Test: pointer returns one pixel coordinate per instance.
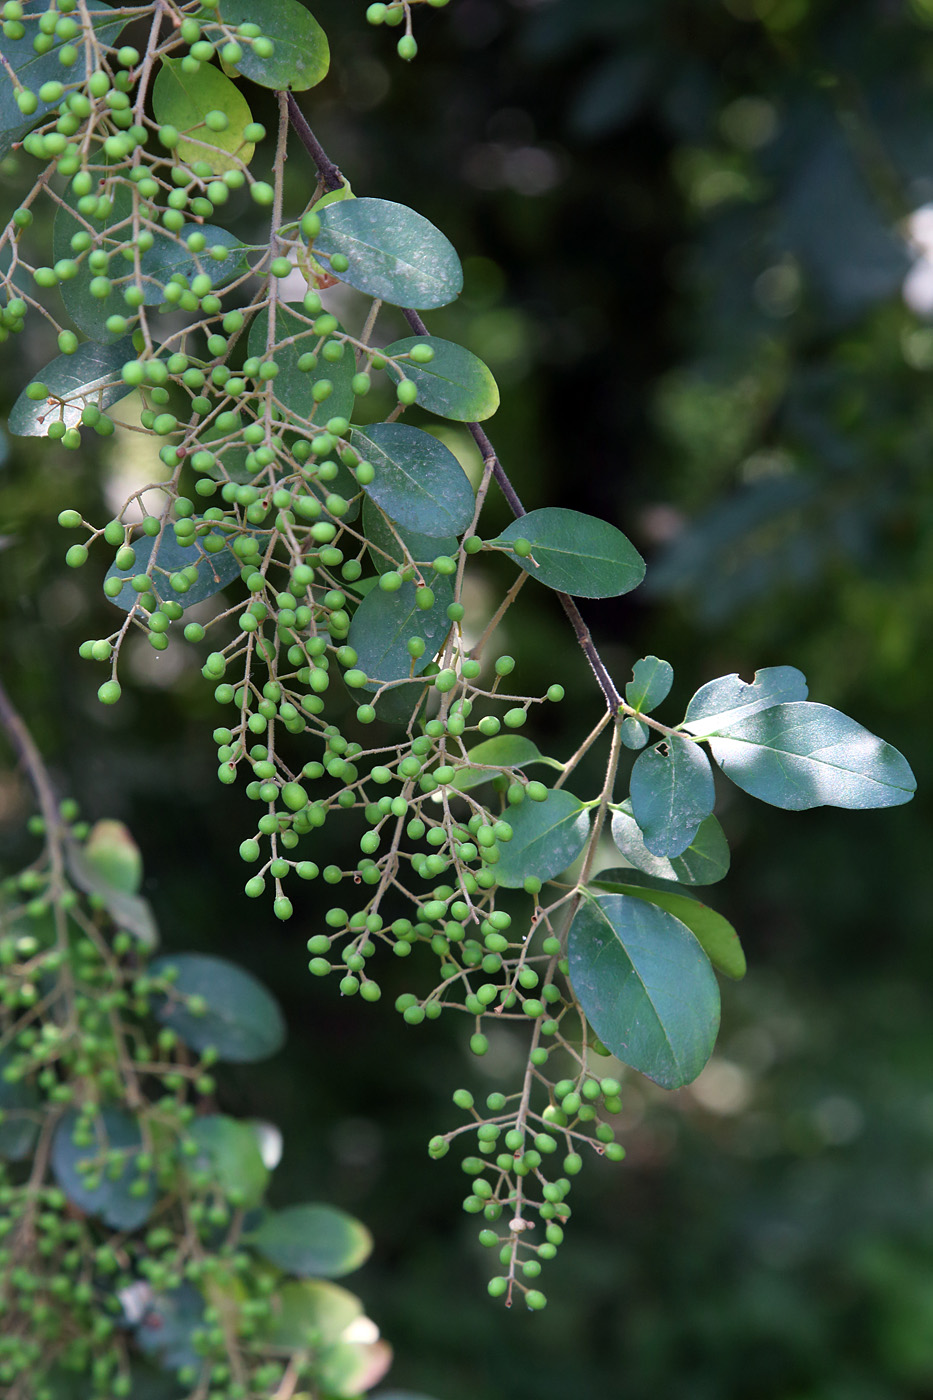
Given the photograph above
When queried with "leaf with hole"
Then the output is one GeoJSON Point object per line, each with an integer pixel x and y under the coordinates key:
{"type": "Point", "coordinates": [804, 755]}
{"type": "Point", "coordinates": [301, 54]}
{"type": "Point", "coordinates": [228, 1152]}
{"type": "Point", "coordinates": [715, 935]}
{"type": "Point", "coordinates": [100, 1176]}
{"type": "Point", "coordinates": [292, 389]}
{"type": "Point", "coordinates": [312, 1241]}
{"type": "Point", "coordinates": [183, 100]}
{"type": "Point", "coordinates": [650, 684]}
{"type": "Point", "coordinates": [672, 794]}
{"type": "Point", "coordinates": [704, 862]}
{"type": "Point", "coordinates": [418, 481]}
{"type": "Point", "coordinates": [90, 376]}
{"type": "Point", "coordinates": [645, 986]}
{"type": "Point", "coordinates": [383, 624]}
{"type": "Point", "coordinates": [729, 699]}
{"type": "Point", "coordinates": [575, 553]}
{"type": "Point", "coordinates": [393, 253]}
{"type": "Point", "coordinates": [546, 837]}
{"type": "Point", "coordinates": [455, 384]}
{"type": "Point", "coordinates": [233, 1012]}
{"type": "Point", "coordinates": [214, 571]}
{"type": "Point", "coordinates": [393, 548]}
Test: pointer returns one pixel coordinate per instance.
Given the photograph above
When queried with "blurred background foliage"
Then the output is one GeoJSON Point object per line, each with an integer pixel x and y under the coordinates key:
{"type": "Point", "coordinates": [695, 243]}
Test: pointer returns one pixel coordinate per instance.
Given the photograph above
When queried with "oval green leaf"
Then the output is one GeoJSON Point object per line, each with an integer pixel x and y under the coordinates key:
{"type": "Point", "coordinates": [645, 986]}
{"type": "Point", "coordinates": [418, 482]}
{"type": "Point", "coordinates": [455, 384]}
{"type": "Point", "coordinates": [182, 100]}
{"type": "Point", "coordinates": [228, 1151]}
{"type": "Point", "coordinates": [309, 1313]}
{"type": "Point", "coordinates": [301, 56]}
{"type": "Point", "coordinates": [546, 837]}
{"type": "Point", "coordinates": [650, 684]}
{"type": "Point", "coordinates": [292, 389]}
{"type": "Point", "coordinates": [672, 794]}
{"type": "Point", "coordinates": [113, 1197]}
{"type": "Point", "coordinates": [90, 313]}
{"type": "Point", "coordinates": [241, 1019]}
{"type": "Point", "coordinates": [804, 755]}
{"type": "Point", "coordinates": [90, 375]}
{"type": "Point", "coordinates": [715, 935]}
{"type": "Point", "coordinates": [575, 553]}
{"type": "Point", "coordinates": [312, 1241]}
{"type": "Point", "coordinates": [391, 547]}
{"type": "Point", "coordinates": [729, 699]}
{"type": "Point", "coordinates": [215, 571]}
{"type": "Point", "coordinates": [489, 758]}
{"type": "Point", "coordinates": [383, 624]}
{"type": "Point", "coordinates": [393, 253]}
{"type": "Point", "coordinates": [705, 860]}
{"type": "Point", "coordinates": [129, 911]}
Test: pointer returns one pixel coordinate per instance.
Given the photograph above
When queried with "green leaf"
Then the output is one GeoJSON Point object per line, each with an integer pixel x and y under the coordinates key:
{"type": "Point", "coordinates": [715, 935]}
{"type": "Point", "coordinates": [672, 794]}
{"type": "Point", "coordinates": [724, 702]}
{"type": "Point", "coordinates": [215, 571]}
{"type": "Point", "coordinates": [803, 755]}
{"type": "Point", "coordinates": [576, 553]}
{"type": "Point", "coordinates": [633, 733]}
{"type": "Point", "coordinates": [546, 837]}
{"type": "Point", "coordinates": [386, 541]}
{"type": "Point", "coordinates": [705, 860]}
{"type": "Point", "coordinates": [645, 986]}
{"type": "Point", "coordinates": [301, 56]}
{"type": "Point", "coordinates": [293, 388]}
{"type": "Point", "coordinates": [228, 1151]}
{"type": "Point", "coordinates": [418, 482]}
{"type": "Point", "coordinates": [394, 253]}
{"type": "Point", "coordinates": [489, 758]}
{"type": "Point", "coordinates": [90, 375]}
{"type": "Point", "coordinates": [111, 1193]}
{"type": "Point", "coordinates": [242, 1019]}
{"type": "Point", "coordinates": [650, 684]}
{"type": "Point", "coordinates": [170, 255]}
{"type": "Point", "coordinates": [348, 1368]}
{"type": "Point", "coordinates": [383, 623]}
{"type": "Point", "coordinates": [455, 384]}
{"type": "Point", "coordinates": [34, 69]}
{"type": "Point", "coordinates": [129, 911]}
{"type": "Point", "coordinates": [312, 1241]}
{"type": "Point", "coordinates": [19, 1115]}
{"type": "Point", "coordinates": [114, 856]}
{"type": "Point", "coordinates": [183, 100]}
{"type": "Point", "coordinates": [309, 1313]}
{"type": "Point", "coordinates": [88, 312]}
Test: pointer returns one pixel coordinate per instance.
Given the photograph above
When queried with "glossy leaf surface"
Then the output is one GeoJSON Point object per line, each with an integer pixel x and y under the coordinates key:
{"type": "Point", "coordinates": [455, 384]}
{"type": "Point", "coordinates": [715, 935]}
{"type": "Point", "coordinates": [111, 1194]}
{"type": "Point", "coordinates": [705, 860]}
{"type": "Point", "coordinates": [215, 571]}
{"type": "Point", "coordinates": [241, 1018]}
{"type": "Point", "coordinates": [650, 684]}
{"type": "Point", "coordinates": [546, 837]}
{"type": "Point", "coordinates": [393, 253]}
{"type": "Point", "coordinates": [228, 1151]}
{"type": "Point", "coordinates": [383, 624]}
{"type": "Point", "coordinates": [182, 100]}
{"type": "Point", "coordinates": [645, 986]}
{"type": "Point", "coordinates": [90, 313]}
{"type": "Point", "coordinates": [726, 701]}
{"type": "Point", "coordinates": [391, 547]}
{"type": "Point", "coordinates": [90, 375]}
{"type": "Point", "coordinates": [312, 1241]}
{"type": "Point", "coordinates": [301, 56]}
{"type": "Point", "coordinates": [804, 755]}
{"type": "Point", "coordinates": [293, 388]}
{"type": "Point", "coordinates": [672, 794]}
{"type": "Point", "coordinates": [418, 482]}
{"type": "Point", "coordinates": [575, 553]}
{"type": "Point", "coordinates": [492, 755]}
{"type": "Point", "coordinates": [170, 255]}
